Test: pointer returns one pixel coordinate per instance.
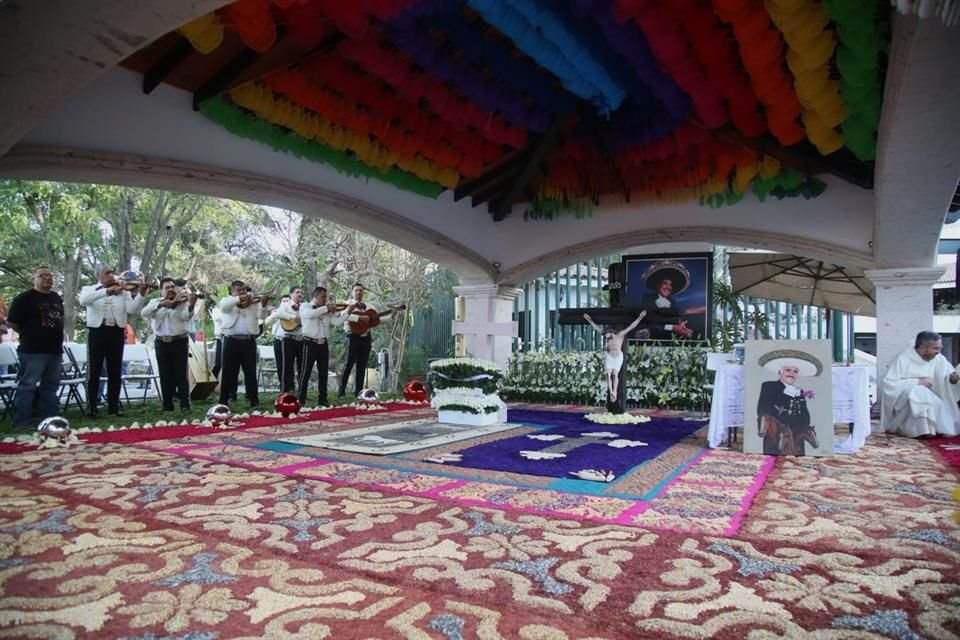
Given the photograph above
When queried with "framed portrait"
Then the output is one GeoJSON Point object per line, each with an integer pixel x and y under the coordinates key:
{"type": "Point", "coordinates": [788, 397]}
{"type": "Point", "coordinates": [675, 290]}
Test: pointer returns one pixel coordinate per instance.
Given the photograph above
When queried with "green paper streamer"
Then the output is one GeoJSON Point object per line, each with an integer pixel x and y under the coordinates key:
{"type": "Point", "coordinates": [245, 124]}
{"type": "Point", "coordinates": [858, 57]}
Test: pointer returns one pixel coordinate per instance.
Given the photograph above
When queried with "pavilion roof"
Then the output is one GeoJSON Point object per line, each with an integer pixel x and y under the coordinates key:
{"type": "Point", "coordinates": [549, 103]}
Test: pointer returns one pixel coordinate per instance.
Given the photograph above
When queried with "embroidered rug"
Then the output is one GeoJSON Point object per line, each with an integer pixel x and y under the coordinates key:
{"type": "Point", "coordinates": [397, 437]}
{"type": "Point", "coordinates": [112, 541]}
{"type": "Point", "coordinates": [569, 444]}
{"type": "Point", "coordinates": [948, 448]}
{"type": "Point", "coordinates": [707, 493]}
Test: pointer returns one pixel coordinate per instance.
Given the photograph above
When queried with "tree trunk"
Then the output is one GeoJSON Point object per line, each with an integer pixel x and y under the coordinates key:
{"type": "Point", "coordinates": [71, 287]}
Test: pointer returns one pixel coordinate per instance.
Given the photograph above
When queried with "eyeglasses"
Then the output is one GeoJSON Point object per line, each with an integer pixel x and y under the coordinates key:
{"type": "Point", "coordinates": [44, 275]}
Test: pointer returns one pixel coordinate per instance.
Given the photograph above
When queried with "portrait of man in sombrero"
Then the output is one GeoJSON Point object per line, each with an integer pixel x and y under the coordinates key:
{"type": "Point", "coordinates": [667, 316]}
{"type": "Point", "coordinates": [783, 416]}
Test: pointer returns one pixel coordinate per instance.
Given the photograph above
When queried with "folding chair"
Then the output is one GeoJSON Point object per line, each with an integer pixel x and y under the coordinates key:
{"type": "Point", "coordinates": [265, 356]}
{"type": "Point", "coordinates": [8, 383]}
{"type": "Point", "coordinates": [77, 352]}
{"type": "Point", "coordinates": [138, 355]}
{"type": "Point", "coordinates": [71, 381]}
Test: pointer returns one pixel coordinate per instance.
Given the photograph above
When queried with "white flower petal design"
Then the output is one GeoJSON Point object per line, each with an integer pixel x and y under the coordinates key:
{"type": "Point", "coordinates": [595, 475]}
{"type": "Point", "coordinates": [616, 418]}
{"type": "Point", "coordinates": [601, 434]}
{"type": "Point", "coordinates": [622, 444]}
{"type": "Point", "coordinates": [445, 457]}
{"type": "Point", "coordinates": [541, 455]}
{"type": "Point", "coordinates": [547, 437]}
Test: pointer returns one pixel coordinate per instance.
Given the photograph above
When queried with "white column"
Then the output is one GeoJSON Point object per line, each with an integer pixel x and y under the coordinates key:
{"type": "Point", "coordinates": [487, 325]}
{"type": "Point", "coordinates": [904, 309]}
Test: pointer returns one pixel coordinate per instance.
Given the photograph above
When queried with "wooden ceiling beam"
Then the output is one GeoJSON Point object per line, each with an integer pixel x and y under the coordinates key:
{"type": "Point", "coordinates": [537, 151]}
{"type": "Point", "coordinates": [159, 72]}
{"type": "Point", "coordinates": [805, 158]}
{"type": "Point", "coordinates": [249, 65]}
{"type": "Point", "coordinates": [495, 174]}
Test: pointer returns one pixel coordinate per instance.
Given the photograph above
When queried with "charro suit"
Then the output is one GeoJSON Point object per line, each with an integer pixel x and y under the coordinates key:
{"type": "Point", "coordinates": [106, 321]}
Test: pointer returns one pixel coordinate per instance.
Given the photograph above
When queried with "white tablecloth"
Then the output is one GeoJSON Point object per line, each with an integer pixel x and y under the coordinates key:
{"type": "Point", "coordinates": [851, 403]}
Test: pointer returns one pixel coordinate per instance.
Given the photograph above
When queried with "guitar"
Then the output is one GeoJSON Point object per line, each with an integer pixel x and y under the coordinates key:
{"type": "Point", "coordinates": [292, 325]}
{"type": "Point", "coordinates": [372, 318]}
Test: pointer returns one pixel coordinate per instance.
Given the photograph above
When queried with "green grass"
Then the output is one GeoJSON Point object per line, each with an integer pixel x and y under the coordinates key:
{"type": "Point", "coordinates": [149, 411]}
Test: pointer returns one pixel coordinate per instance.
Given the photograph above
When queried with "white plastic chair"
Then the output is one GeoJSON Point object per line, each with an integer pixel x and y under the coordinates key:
{"type": "Point", "coordinates": [138, 354]}
{"type": "Point", "coordinates": [8, 384]}
{"type": "Point", "coordinates": [266, 364]}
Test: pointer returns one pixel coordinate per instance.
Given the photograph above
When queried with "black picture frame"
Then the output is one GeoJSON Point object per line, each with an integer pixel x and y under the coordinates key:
{"type": "Point", "coordinates": [692, 304]}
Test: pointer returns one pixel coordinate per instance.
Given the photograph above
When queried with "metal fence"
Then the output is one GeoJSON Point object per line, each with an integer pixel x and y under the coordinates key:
{"type": "Point", "coordinates": [581, 285]}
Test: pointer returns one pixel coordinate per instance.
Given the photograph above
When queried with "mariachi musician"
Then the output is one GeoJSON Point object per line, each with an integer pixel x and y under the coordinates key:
{"type": "Point", "coordinates": [357, 315]}
{"type": "Point", "coordinates": [241, 313]}
{"type": "Point", "coordinates": [171, 316]}
{"type": "Point", "coordinates": [317, 318]}
{"type": "Point", "coordinates": [291, 349]}
{"type": "Point", "coordinates": [273, 320]}
{"type": "Point", "coordinates": [108, 303]}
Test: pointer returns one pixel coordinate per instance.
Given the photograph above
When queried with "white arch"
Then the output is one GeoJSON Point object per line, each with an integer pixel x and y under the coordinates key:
{"type": "Point", "coordinates": [49, 163]}
{"type": "Point", "coordinates": [756, 239]}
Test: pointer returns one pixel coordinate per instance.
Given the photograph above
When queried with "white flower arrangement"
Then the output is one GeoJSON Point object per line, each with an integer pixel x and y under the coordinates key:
{"type": "Point", "coordinates": [656, 376]}
{"type": "Point", "coordinates": [616, 418]}
{"type": "Point", "coordinates": [464, 397]}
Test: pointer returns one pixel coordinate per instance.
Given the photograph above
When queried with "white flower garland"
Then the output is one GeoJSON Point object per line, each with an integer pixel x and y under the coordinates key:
{"type": "Point", "coordinates": [484, 365]}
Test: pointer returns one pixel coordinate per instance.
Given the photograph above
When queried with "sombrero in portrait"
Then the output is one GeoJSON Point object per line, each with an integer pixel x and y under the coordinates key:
{"type": "Point", "coordinates": [667, 270]}
{"type": "Point", "coordinates": [808, 365]}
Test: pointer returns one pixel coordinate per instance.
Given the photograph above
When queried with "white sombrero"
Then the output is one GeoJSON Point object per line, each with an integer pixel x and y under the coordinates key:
{"type": "Point", "coordinates": [775, 360]}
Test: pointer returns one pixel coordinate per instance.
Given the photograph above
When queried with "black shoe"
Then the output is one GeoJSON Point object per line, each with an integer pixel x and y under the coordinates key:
{"type": "Point", "coordinates": [93, 413]}
{"type": "Point", "coordinates": [116, 412]}
{"type": "Point", "coordinates": [186, 409]}
{"type": "Point", "coordinates": [170, 408]}
{"type": "Point", "coordinates": [254, 405]}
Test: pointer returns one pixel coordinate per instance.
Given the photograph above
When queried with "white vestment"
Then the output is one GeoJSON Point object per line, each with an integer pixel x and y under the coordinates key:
{"type": "Point", "coordinates": [911, 409]}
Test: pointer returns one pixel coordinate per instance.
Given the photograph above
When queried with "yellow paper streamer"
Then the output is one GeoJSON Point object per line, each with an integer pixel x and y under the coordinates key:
{"type": "Point", "coordinates": [262, 101]}
{"type": "Point", "coordinates": [811, 44]}
{"type": "Point", "coordinates": [204, 34]}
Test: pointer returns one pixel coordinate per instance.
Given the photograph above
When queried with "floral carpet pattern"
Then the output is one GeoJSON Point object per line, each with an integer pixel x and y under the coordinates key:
{"type": "Point", "coordinates": [115, 541]}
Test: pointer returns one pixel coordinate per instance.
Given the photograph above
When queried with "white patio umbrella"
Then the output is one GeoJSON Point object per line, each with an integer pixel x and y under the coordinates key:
{"type": "Point", "coordinates": [788, 278]}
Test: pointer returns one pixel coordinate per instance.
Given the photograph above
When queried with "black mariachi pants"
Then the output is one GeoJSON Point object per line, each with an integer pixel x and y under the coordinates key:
{"type": "Point", "coordinates": [358, 353]}
{"type": "Point", "coordinates": [314, 353]}
{"type": "Point", "coordinates": [291, 356]}
{"type": "Point", "coordinates": [104, 342]}
{"type": "Point", "coordinates": [172, 369]}
{"type": "Point", "coordinates": [239, 353]}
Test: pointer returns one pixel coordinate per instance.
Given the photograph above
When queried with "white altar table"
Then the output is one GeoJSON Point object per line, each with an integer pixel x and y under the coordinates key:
{"type": "Point", "coordinates": [851, 404]}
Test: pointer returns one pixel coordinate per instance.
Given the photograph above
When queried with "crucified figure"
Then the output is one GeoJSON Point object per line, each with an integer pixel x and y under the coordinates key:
{"type": "Point", "coordinates": [614, 358]}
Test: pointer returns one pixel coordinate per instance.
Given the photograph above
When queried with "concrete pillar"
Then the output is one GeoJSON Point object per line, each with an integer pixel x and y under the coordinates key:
{"type": "Point", "coordinates": [904, 308]}
{"type": "Point", "coordinates": [487, 326]}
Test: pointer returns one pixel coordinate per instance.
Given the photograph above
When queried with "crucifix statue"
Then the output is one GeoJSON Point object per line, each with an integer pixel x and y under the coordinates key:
{"type": "Point", "coordinates": [617, 338]}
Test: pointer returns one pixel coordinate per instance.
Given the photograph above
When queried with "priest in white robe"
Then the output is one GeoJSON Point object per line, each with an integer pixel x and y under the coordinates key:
{"type": "Point", "coordinates": [920, 391]}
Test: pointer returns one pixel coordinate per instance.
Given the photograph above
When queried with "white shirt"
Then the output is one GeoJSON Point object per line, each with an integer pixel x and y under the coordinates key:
{"type": "Point", "coordinates": [217, 317]}
{"type": "Point", "coordinates": [316, 322]}
{"type": "Point", "coordinates": [272, 320]}
{"type": "Point", "coordinates": [105, 310]}
{"type": "Point", "coordinates": [239, 321]}
{"type": "Point", "coordinates": [168, 322]}
{"type": "Point", "coordinates": [286, 312]}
